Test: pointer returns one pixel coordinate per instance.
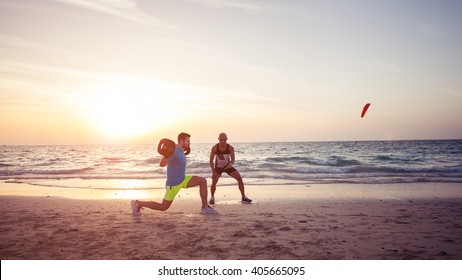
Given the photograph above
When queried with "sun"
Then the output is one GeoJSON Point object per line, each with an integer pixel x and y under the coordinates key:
{"type": "Point", "coordinates": [124, 117]}
{"type": "Point", "coordinates": [118, 113]}
{"type": "Point", "coordinates": [122, 106]}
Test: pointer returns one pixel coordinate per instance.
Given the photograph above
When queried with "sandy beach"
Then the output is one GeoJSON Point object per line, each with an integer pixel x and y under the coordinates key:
{"type": "Point", "coordinates": [309, 222]}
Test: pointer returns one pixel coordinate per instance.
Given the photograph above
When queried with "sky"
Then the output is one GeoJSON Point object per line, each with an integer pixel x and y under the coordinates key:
{"type": "Point", "coordinates": [135, 71]}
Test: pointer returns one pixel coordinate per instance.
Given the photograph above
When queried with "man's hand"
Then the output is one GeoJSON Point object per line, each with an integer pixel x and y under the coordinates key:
{"type": "Point", "coordinates": [163, 161]}
{"type": "Point", "coordinates": [229, 165]}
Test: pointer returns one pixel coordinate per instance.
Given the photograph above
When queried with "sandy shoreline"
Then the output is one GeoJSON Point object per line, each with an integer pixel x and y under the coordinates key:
{"type": "Point", "coordinates": [297, 222]}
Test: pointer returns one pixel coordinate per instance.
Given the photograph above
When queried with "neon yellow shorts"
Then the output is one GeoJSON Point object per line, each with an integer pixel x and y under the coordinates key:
{"type": "Point", "coordinates": [171, 192]}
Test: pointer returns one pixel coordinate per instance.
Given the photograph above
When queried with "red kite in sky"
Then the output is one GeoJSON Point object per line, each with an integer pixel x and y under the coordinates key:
{"type": "Point", "coordinates": [365, 109]}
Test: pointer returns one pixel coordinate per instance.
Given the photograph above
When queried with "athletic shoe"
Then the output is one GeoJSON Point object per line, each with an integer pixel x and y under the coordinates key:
{"type": "Point", "coordinates": [245, 199]}
{"type": "Point", "coordinates": [208, 210]}
{"type": "Point", "coordinates": [212, 200]}
{"type": "Point", "coordinates": [136, 210]}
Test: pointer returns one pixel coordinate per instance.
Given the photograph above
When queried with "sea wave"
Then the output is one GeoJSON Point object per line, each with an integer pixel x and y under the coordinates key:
{"type": "Point", "coordinates": [258, 163]}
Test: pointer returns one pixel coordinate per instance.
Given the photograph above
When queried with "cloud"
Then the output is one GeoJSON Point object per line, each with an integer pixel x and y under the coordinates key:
{"type": "Point", "coordinates": [452, 92]}
{"type": "Point", "coordinates": [382, 65]}
{"type": "Point", "coordinates": [10, 44]}
{"type": "Point", "coordinates": [122, 9]}
{"type": "Point", "coordinates": [246, 5]}
{"type": "Point", "coordinates": [34, 81]}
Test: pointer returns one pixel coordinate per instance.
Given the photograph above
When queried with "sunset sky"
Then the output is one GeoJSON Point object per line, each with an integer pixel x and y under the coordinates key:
{"type": "Point", "coordinates": [128, 71]}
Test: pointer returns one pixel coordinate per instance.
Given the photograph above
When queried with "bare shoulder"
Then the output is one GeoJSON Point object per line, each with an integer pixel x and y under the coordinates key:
{"type": "Point", "coordinates": [231, 148]}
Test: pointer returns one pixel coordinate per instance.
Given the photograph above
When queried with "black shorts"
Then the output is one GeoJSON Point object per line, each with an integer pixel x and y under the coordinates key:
{"type": "Point", "coordinates": [220, 170]}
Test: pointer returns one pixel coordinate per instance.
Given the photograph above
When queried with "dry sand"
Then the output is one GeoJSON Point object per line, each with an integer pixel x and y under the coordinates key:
{"type": "Point", "coordinates": [420, 221]}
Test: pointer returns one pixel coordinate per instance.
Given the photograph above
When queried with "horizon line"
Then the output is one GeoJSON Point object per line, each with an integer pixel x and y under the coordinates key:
{"type": "Point", "coordinates": [242, 142]}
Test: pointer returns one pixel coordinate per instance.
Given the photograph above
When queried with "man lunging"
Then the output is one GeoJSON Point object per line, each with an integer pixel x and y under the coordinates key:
{"type": "Point", "coordinates": [176, 180]}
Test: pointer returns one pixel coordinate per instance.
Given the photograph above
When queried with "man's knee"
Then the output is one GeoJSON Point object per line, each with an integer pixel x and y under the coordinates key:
{"type": "Point", "coordinates": [198, 181]}
{"type": "Point", "coordinates": [236, 176]}
{"type": "Point", "coordinates": [165, 205]}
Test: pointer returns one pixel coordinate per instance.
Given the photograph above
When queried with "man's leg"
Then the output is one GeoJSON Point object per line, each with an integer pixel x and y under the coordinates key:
{"type": "Point", "coordinates": [202, 183]}
{"type": "Point", "coordinates": [155, 205]}
{"type": "Point", "coordinates": [237, 176]}
{"type": "Point", "coordinates": [213, 187]}
{"type": "Point", "coordinates": [170, 194]}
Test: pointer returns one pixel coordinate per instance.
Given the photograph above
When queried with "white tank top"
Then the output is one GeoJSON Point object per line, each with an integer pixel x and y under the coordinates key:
{"type": "Point", "coordinates": [222, 158]}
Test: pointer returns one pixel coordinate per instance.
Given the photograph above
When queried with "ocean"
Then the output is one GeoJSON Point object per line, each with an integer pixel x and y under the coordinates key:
{"type": "Point", "coordinates": [288, 163]}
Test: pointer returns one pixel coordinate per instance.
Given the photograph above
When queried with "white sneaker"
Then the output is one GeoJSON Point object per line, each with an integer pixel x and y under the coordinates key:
{"type": "Point", "coordinates": [136, 210]}
{"type": "Point", "coordinates": [212, 200]}
{"type": "Point", "coordinates": [208, 210]}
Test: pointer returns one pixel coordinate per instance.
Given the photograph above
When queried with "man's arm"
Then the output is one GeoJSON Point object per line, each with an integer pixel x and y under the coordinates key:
{"type": "Point", "coordinates": [212, 158]}
{"type": "Point", "coordinates": [231, 153]}
{"type": "Point", "coordinates": [163, 162]}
